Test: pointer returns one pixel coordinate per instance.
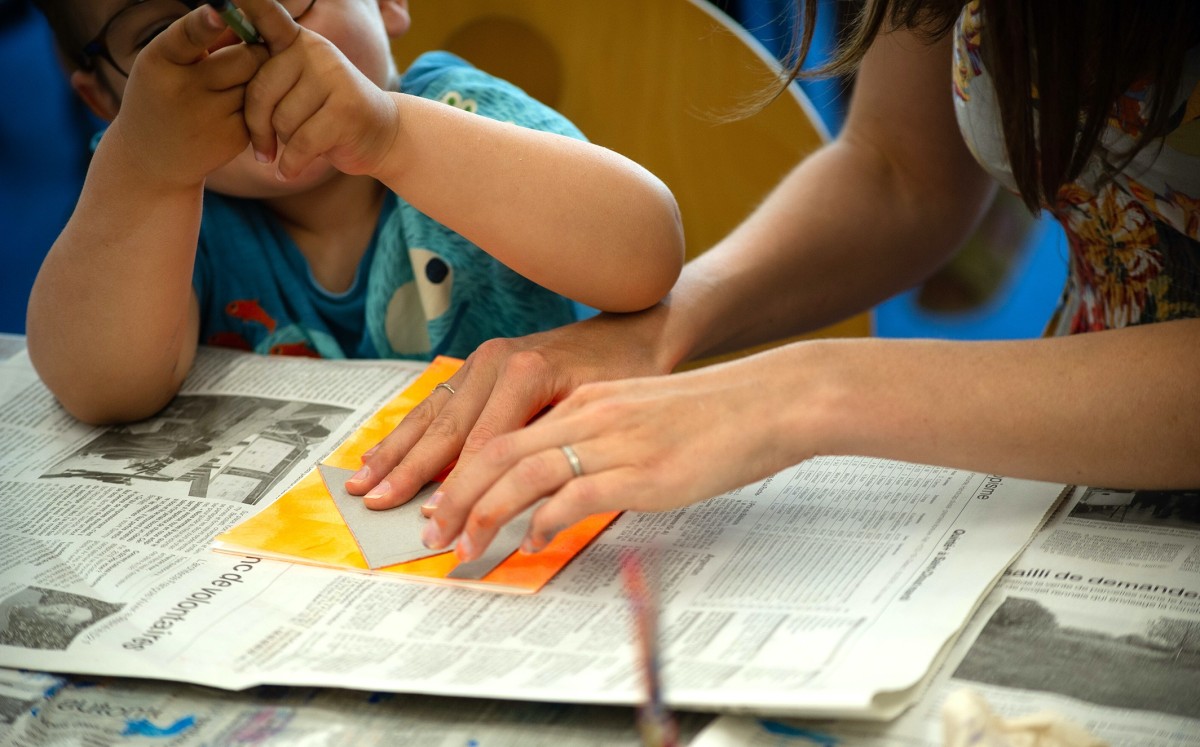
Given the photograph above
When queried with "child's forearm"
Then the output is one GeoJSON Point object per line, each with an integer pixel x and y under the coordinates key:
{"type": "Point", "coordinates": [112, 316]}
{"type": "Point", "coordinates": [574, 217]}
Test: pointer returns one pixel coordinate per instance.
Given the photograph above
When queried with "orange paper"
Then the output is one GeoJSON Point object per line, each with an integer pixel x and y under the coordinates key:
{"type": "Point", "coordinates": [305, 526]}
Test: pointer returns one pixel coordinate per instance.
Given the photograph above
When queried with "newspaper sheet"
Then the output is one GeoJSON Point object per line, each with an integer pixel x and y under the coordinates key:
{"type": "Point", "coordinates": [1097, 622]}
{"type": "Point", "coordinates": [39, 709]}
{"type": "Point", "coordinates": [827, 589]}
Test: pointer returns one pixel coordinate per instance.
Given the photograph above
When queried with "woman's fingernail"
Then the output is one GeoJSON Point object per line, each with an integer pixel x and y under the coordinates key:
{"type": "Point", "coordinates": [361, 475]}
{"type": "Point", "coordinates": [379, 491]}
{"type": "Point", "coordinates": [367, 454]}
{"type": "Point", "coordinates": [431, 536]}
{"type": "Point", "coordinates": [528, 546]}
{"type": "Point", "coordinates": [465, 549]}
{"type": "Point", "coordinates": [433, 500]}
{"type": "Point", "coordinates": [535, 544]}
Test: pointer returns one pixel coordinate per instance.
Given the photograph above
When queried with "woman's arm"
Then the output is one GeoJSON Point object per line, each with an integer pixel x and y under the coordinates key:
{"type": "Point", "coordinates": [1115, 409]}
{"type": "Point", "coordinates": [882, 204]}
{"type": "Point", "coordinates": [871, 214]}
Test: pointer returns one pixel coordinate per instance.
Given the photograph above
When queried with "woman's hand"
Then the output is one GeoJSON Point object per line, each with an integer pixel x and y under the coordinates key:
{"type": "Point", "coordinates": [502, 386]}
{"type": "Point", "coordinates": [646, 444]}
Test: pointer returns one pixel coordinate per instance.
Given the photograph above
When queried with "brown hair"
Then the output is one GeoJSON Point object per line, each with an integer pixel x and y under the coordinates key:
{"type": "Point", "coordinates": [1087, 53]}
{"type": "Point", "coordinates": [68, 32]}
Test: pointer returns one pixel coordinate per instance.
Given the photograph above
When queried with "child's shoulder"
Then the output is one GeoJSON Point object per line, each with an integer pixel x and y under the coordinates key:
{"type": "Point", "coordinates": [433, 69]}
{"type": "Point", "coordinates": [446, 77]}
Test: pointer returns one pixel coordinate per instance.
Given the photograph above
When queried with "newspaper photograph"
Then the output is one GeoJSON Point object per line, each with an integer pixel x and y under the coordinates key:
{"type": "Point", "coordinates": [1096, 625]}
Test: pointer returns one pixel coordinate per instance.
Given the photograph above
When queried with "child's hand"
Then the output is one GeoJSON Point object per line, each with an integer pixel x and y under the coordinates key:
{"type": "Point", "coordinates": [311, 99]}
{"type": "Point", "coordinates": [181, 113]}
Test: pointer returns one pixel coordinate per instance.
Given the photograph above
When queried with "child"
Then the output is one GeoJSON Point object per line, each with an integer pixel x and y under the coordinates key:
{"type": "Point", "coordinates": [283, 197]}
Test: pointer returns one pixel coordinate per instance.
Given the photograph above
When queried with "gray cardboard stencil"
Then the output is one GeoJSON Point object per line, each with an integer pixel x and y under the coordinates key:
{"type": "Point", "coordinates": [506, 542]}
{"type": "Point", "coordinates": [384, 537]}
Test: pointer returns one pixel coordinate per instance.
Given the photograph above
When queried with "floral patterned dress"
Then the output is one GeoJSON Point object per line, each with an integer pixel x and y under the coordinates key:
{"type": "Point", "coordinates": [1135, 240]}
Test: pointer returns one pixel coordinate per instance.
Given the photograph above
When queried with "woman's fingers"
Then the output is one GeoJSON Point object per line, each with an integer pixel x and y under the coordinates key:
{"type": "Point", "coordinates": [392, 470]}
{"type": "Point", "coordinates": [513, 471]}
{"type": "Point", "coordinates": [494, 392]}
{"type": "Point", "coordinates": [578, 499]}
{"type": "Point", "coordinates": [542, 473]}
{"type": "Point", "coordinates": [516, 394]}
{"type": "Point", "coordinates": [647, 444]}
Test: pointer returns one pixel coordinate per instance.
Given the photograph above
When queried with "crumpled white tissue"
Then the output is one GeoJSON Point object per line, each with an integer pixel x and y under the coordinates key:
{"type": "Point", "coordinates": [968, 721]}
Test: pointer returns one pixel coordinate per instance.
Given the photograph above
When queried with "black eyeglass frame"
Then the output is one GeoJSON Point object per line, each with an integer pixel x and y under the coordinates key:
{"type": "Point", "coordinates": [97, 48]}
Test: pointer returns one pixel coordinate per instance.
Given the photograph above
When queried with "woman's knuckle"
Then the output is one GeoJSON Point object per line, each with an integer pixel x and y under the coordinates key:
{"type": "Point", "coordinates": [532, 470]}
{"type": "Point", "coordinates": [584, 495]}
{"type": "Point", "coordinates": [443, 428]}
{"type": "Point", "coordinates": [482, 518]}
{"type": "Point", "coordinates": [499, 450]}
{"type": "Point", "coordinates": [420, 416]}
{"type": "Point", "coordinates": [479, 437]}
{"type": "Point", "coordinates": [525, 364]}
{"type": "Point", "coordinates": [489, 350]}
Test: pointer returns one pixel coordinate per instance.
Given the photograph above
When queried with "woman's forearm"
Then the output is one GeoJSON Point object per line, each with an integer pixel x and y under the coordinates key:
{"type": "Point", "coordinates": [1115, 409]}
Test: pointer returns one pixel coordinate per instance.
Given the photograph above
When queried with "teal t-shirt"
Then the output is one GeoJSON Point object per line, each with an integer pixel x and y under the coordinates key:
{"type": "Point", "coordinates": [421, 290]}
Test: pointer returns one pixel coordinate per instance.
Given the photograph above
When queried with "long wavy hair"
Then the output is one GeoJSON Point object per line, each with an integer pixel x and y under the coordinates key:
{"type": "Point", "coordinates": [1081, 54]}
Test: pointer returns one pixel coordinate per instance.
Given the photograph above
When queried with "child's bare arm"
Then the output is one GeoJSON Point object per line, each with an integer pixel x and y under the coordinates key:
{"type": "Point", "coordinates": [113, 319]}
{"type": "Point", "coordinates": [571, 216]}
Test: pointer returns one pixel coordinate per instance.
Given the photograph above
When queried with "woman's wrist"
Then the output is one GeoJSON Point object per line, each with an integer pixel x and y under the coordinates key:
{"type": "Point", "coordinates": [818, 396]}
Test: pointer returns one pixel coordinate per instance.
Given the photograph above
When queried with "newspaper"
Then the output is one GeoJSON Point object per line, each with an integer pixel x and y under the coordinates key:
{"type": "Point", "coordinates": [1097, 622]}
{"type": "Point", "coordinates": [827, 589]}
{"type": "Point", "coordinates": [37, 709]}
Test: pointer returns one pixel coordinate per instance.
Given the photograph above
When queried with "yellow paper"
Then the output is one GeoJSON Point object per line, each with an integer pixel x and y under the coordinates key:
{"type": "Point", "coordinates": [305, 526]}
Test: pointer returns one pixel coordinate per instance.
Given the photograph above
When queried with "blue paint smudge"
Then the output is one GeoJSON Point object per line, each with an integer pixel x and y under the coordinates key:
{"type": "Point", "coordinates": [784, 730]}
{"type": "Point", "coordinates": [143, 728]}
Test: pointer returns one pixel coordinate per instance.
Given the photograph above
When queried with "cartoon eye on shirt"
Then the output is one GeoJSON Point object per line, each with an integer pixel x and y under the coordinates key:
{"type": "Point", "coordinates": [423, 305]}
{"type": "Point", "coordinates": [455, 99]}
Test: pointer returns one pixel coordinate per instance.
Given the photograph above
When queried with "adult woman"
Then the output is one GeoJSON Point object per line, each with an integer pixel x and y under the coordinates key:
{"type": "Point", "coordinates": [1106, 143]}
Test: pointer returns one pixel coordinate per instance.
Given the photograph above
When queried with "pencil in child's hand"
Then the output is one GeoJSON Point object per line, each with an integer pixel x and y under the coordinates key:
{"type": "Point", "coordinates": [236, 21]}
{"type": "Point", "coordinates": [655, 723]}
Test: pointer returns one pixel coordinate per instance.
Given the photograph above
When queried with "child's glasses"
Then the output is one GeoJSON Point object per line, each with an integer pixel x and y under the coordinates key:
{"type": "Point", "coordinates": [132, 28]}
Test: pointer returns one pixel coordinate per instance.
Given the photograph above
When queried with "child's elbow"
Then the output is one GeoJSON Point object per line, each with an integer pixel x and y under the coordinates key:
{"type": "Point", "coordinates": [98, 406]}
{"type": "Point", "coordinates": [662, 250]}
{"type": "Point", "coordinates": [106, 411]}
{"type": "Point", "coordinates": [96, 397]}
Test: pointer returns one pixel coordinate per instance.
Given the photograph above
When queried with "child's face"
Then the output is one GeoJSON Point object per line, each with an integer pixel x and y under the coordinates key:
{"type": "Point", "coordinates": [360, 29]}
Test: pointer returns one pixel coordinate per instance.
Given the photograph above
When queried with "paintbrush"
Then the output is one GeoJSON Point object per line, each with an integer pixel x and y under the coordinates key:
{"type": "Point", "coordinates": [236, 21]}
{"type": "Point", "coordinates": [655, 722]}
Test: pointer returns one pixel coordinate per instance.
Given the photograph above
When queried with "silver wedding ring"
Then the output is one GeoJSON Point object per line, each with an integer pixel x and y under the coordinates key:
{"type": "Point", "coordinates": [445, 386]}
{"type": "Point", "coordinates": [573, 460]}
